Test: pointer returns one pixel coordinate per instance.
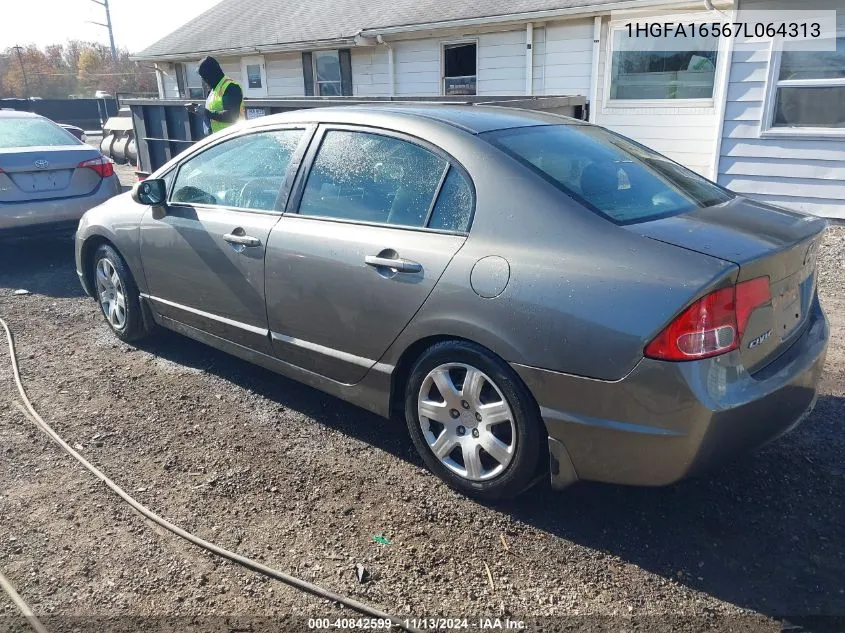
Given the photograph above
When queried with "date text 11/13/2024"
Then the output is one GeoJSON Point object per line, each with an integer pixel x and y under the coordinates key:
{"type": "Point", "coordinates": [444, 624]}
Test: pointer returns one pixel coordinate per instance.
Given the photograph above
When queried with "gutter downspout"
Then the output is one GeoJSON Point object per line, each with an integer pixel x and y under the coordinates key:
{"type": "Point", "coordinates": [529, 58]}
{"type": "Point", "coordinates": [391, 73]}
{"type": "Point", "coordinates": [723, 71]}
{"type": "Point", "coordinates": [594, 69]}
{"type": "Point", "coordinates": [160, 82]}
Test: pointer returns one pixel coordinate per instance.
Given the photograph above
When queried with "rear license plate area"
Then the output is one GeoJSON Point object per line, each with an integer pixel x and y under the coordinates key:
{"type": "Point", "coordinates": [36, 182]}
{"type": "Point", "coordinates": [788, 310]}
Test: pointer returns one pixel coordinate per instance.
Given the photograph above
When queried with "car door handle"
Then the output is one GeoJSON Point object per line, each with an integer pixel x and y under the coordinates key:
{"type": "Point", "coordinates": [398, 264]}
{"type": "Point", "coordinates": [242, 240]}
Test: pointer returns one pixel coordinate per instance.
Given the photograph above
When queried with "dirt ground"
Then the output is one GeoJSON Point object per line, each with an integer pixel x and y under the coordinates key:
{"type": "Point", "coordinates": [292, 477]}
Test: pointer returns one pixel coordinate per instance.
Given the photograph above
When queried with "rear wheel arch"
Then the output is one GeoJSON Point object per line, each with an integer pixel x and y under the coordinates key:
{"type": "Point", "coordinates": [89, 249]}
{"type": "Point", "coordinates": [414, 352]}
{"type": "Point", "coordinates": [527, 437]}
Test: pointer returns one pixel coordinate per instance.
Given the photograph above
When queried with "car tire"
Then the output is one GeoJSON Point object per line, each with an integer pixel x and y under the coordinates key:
{"type": "Point", "coordinates": [494, 412]}
{"type": "Point", "coordinates": [117, 294]}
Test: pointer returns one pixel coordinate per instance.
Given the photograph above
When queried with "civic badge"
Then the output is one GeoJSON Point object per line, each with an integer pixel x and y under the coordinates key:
{"type": "Point", "coordinates": [42, 164]}
{"type": "Point", "coordinates": [760, 339]}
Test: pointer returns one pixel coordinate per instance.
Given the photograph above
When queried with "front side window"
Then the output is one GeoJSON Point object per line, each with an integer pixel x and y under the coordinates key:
{"type": "Point", "coordinates": [637, 73]}
{"type": "Point", "coordinates": [327, 73]}
{"type": "Point", "coordinates": [459, 69]}
{"type": "Point", "coordinates": [810, 90]}
{"type": "Point", "coordinates": [246, 172]}
{"type": "Point", "coordinates": [368, 177]}
{"type": "Point", "coordinates": [617, 178]}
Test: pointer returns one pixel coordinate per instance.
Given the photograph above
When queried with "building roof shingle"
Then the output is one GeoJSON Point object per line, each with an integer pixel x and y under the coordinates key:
{"type": "Point", "coordinates": [235, 25]}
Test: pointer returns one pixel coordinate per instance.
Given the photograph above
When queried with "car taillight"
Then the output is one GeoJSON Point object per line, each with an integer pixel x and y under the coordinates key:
{"type": "Point", "coordinates": [712, 325]}
{"type": "Point", "coordinates": [750, 295]}
{"type": "Point", "coordinates": [102, 165]}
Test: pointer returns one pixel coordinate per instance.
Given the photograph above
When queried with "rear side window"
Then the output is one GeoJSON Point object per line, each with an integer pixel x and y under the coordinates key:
{"type": "Point", "coordinates": [617, 178]}
{"type": "Point", "coordinates": [246, 172]}
{"type": "Point", "coordinates": [453, 209]}
{"type": "Point", "coordinates": [368, 177]}
{"type": "Point", "coordinates": [33, 132]}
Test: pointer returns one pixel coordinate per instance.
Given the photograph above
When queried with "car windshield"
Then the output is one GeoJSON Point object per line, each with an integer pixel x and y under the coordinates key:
{"type": "Point", "coordinates": [32, 132]}
{"type": "Point", "coordinates": [611, 175]}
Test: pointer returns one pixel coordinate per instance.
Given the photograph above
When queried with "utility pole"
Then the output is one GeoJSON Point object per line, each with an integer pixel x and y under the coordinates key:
{"type": "Point", "coordinates": [23, 70]}
{"type": "Point", "coordinates": [105, 3]}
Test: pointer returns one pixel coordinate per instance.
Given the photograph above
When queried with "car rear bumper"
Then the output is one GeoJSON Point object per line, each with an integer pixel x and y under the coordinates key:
{"type": "Point", "coordinates": [39, 216]}
{"type": "Point", "coordinates": [666, 420]}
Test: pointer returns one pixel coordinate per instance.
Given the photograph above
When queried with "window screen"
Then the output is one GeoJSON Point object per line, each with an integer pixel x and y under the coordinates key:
{"type": "Point", "coordinates": [459, 69]}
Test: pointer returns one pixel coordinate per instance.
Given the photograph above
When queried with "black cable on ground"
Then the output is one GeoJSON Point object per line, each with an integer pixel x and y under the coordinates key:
{"type": "Point", "coordinates": [303, 585]}
{"type": "Point", "coordinates": [22, 606]}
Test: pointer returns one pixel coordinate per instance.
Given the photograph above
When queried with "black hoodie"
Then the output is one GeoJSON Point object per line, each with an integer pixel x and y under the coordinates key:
{"type": "Point", "coordinates": [211, 73]}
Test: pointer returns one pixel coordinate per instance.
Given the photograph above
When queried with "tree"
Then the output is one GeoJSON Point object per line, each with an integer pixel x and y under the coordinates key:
{"type": "Point", "coordinates": [76, 68]}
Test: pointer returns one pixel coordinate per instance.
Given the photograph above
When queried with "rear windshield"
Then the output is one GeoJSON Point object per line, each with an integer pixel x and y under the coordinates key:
{"type": "Point", "coordinates": [615, 177]}
{"type": "Point", "coordinates": [32, 132]}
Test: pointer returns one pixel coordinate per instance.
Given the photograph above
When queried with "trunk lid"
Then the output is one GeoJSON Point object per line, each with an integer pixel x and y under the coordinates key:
{"type": "Point", "coordinates": [763, 241]}
{"type": "Point", "coordinates": [46, 173]}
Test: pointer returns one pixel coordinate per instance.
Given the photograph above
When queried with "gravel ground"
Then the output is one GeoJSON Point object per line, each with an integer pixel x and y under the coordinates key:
{"type": "Point", "coordinates": [303, 482]}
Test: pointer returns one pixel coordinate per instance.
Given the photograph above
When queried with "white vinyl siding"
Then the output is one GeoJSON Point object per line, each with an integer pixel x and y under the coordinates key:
{"type": "Point", "coordinates": [370, 72]}
{"type": "Point", "coordinates": [563, 57]}
{"type": "Point", "coordinates": [561, 65]}
{"type": "Point", "coordinates": [501, 63]}
{"type": "Point", "coordinates": [806, 174]}
{"type": "Point", "coordinates": [284, 75]}
{"type": "Point", "coordinates": [232, 68]}
{"type": "Point", "coordinates": [417, 67]}
{"type": "Point", "coordinates": [683, 133]}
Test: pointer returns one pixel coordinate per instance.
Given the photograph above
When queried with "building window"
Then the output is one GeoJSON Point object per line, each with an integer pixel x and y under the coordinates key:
{"type": "Point", "coordinates": [640, 73]}
{"type": "Point", "coordinates": [809, 89]}
{"type": "Point", "coordinates": [327, 73]}
{"type": "Point", "coordinates": [253, 76]}
{"type": "Point", "coordinates": [191, 82]}
{"type": "Point", "coordinates": [459, 69]}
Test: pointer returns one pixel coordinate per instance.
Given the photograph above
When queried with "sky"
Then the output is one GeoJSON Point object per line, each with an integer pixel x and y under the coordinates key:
{"type": "Point", "coordinates": [136, 23]}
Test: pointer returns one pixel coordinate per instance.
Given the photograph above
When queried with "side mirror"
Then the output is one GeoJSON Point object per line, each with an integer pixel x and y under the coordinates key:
{"type": "Point", "coordinates": [151, 192]}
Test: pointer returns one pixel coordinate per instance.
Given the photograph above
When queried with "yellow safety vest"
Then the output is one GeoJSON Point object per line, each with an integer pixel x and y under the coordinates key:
{"type": "Point", "coordinates": [214, 103]}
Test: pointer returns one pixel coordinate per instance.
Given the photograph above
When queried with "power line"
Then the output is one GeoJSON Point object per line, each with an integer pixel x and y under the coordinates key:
{"type": "Point", "coordinates": [23, 69]}
{"type": "Point", "coordinates": [105, 4]}
{"type": "Point", "coordinates": [84, 74]}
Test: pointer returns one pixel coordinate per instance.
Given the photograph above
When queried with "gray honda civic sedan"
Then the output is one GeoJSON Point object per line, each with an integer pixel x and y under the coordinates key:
{"type": "Point", "coordinates": [538, 297]}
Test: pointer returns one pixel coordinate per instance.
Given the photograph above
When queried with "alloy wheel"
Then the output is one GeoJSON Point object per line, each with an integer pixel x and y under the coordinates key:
{"type": "Point", "coordinates": [111, 293]}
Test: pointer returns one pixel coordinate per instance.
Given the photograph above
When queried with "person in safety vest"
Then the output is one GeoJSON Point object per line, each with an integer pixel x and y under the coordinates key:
{"type": "Point", "coordinates": [225, 102]}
